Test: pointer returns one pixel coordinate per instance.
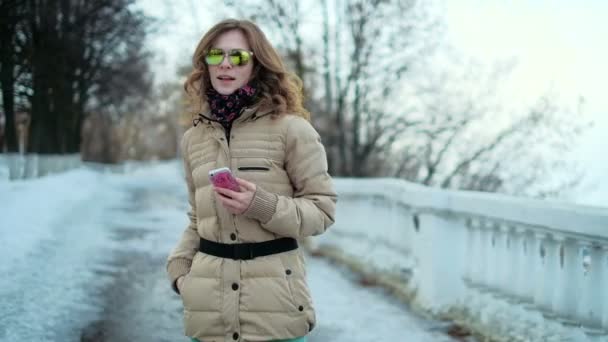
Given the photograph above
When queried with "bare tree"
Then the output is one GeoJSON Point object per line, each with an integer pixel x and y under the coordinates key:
{"type": "Point", "coordinates": [461, 143]}
{"type": "Point", "coordinates": [365, 49]}
{"type": "Point", "coordinates": [356, 69]}
{"type": "Point", "coordinates": [12, 12]}
{"type": "Point", "coordinates": [64, 58]}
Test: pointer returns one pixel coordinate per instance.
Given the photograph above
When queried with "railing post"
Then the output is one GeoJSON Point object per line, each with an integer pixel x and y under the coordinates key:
{"type": "Point", "coordinates": [476, 267]}
{"type": "Point", "coordinates": [17, 163]}
{"type": "Point", "coordinates": [530, 264]}
{"type": "Point", "coordinates": [520, 277]}
{"type": "Point", "coordinates": [539, 255]}
{"type": "Point", "coordinates": [486, 254]}
{"type": "Point", "coordinates": [471, 301]}
{"type": "Point", "coordinates": [603, 264]}
{"type": "Point", "coordinates": [503, 266]}
{"type": "Point", "coordinates": [440, 240]}
{"type": "Point", "coordinates": [30, 167]}
{"type": "Point", "coordinates": [590, 308]}
{"type": "Point", "coordinates": [468, 276]}
{"type": "Point", "coordinates": [551, 275]}
{"type": "Point", "coordinates": [572, 273]}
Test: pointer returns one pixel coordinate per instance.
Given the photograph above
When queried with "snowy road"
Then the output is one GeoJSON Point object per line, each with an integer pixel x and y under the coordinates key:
{"type": "Point", "coordinates": [83, 260]}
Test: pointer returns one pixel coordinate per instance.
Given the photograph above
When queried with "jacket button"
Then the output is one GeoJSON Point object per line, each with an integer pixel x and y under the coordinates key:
{"type": "Point", "coordinates": [288, 272]}
{"type": "Point", "coordinates": [235, 286]}
{"type": "Point", "coordinates": [301, 308]}
{"type": "Point", "coordinates": [235, 336]}
{"type": "Point", "coordinates": [232, 236]}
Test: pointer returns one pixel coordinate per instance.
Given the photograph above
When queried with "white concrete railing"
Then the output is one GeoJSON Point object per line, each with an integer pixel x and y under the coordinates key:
{"type": "Point", "coordinates": [511, 269]}
{"type": "Point", "coordinates": [15, 166]}
{"type": "Point", "coordinates": [24, 166]}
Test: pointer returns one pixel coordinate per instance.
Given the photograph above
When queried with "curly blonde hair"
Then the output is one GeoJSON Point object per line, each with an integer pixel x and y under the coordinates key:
{"type": "Point", "coordinates": [279, 90]}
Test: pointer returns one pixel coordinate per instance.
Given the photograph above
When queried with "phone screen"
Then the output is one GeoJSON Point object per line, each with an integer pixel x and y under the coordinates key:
{"type": "Point", "coordinates": [223, 178]}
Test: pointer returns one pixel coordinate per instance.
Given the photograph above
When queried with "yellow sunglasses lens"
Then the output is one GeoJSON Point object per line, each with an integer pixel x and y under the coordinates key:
{"type": "Point", "coordinates": [214, 57]}
{"type": "Point", "coordinates": [236, 57]}
{"type": "Point", "coordinates": [239, 57]}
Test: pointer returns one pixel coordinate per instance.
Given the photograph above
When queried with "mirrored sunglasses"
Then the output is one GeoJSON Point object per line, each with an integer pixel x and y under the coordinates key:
{"type": "Point", "coordinates": [236, 57]}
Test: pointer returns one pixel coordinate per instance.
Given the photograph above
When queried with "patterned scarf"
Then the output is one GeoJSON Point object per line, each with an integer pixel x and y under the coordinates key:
{"type": "Point", "coordinates": [226, 108]}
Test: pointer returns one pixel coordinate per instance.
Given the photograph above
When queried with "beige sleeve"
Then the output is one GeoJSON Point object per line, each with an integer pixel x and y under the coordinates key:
{"type": "Point", "coordinates": [180, 258]}
{"type": "Point", "coordinates": [312, 209]}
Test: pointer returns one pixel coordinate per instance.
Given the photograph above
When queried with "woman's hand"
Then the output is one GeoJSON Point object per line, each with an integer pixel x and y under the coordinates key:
{"type": "Point", "coordinates": [237, 202]}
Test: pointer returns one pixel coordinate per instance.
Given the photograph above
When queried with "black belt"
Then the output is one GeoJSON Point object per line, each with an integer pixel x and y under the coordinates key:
{"type": "Point", "coordinates": [247, 251]}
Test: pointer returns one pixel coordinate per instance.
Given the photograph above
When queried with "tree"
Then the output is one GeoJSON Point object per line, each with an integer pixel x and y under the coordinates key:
{"type": "Point", "coordinates": [461, 141]}
{"type": "Point", "coordinates": [357, 70]}
{"type": "Point", "coordinates": [75, 57]}
{"type": "Point", "coordinates": [11, 10]}
{"type": "Point", "coordinates": [151, 131]}
{"type": "Point", "coordinates": [365, 50]}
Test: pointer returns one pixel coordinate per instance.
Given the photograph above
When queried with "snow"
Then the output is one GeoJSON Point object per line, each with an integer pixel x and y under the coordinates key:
{"type": "Point", "coordinates": [50, 233]}
{"type": "Point", "coordinates": [83, 254]}
{"type": "Point", "coordinates": [348, 312]}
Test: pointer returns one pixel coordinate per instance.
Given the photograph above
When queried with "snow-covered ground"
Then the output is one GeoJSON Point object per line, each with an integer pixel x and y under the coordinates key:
{"type": "Point", "coordinates": [83, 257]}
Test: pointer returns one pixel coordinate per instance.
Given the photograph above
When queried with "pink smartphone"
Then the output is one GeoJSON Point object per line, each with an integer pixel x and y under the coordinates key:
{"type": "Point", "coordinates": [223, 178]}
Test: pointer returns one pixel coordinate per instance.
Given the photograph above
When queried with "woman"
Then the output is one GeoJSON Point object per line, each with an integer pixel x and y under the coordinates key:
{"type": "Point", "coordinates": [237, 266]}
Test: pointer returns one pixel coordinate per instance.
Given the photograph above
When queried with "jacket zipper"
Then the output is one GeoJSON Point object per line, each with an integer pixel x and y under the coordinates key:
{"type": "Point", "coordinates": [253, 168]}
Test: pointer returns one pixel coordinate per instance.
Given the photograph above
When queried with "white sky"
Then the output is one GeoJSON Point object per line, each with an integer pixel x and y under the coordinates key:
{"type": "Point", "coordinates": [558, 44]}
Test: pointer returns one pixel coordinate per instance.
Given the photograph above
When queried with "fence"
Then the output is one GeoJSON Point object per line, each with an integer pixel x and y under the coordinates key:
{"type": "Point", "coordinates": [512, 269]}
{"type": "Point", "coordinates": [14, 166]}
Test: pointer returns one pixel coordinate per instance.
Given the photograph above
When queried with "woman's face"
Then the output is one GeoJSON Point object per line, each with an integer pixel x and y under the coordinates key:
{"type": "Point", "coordinates": [226, 78]}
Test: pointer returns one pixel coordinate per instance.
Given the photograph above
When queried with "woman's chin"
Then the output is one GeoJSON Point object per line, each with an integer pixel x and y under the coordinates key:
{"type": "Point", "coordinates": [226, 91]}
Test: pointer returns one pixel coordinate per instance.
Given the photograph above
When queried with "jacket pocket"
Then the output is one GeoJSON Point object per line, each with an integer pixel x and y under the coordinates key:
{"type": "Point", "coordinates": [299, 293]}
{"type": "Point", "coordinates": [296, 282]}
{"type": "Point", "coordinates": [253, 168]}
{"type": "Point", "coordinates": [251, 163]}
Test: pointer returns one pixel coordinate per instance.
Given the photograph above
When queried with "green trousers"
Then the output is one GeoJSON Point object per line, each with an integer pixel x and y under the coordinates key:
{"type": "Point", "coordinates": [298, 339]}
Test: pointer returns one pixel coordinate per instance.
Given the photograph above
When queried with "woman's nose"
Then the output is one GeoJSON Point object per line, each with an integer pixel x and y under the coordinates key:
{"type": "Point", "coordinates": [225, 63]}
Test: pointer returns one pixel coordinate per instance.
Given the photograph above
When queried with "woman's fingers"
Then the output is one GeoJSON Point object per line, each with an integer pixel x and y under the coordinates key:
{"type": "Point", "coordinates": [230, 202]}
{"type": "Point", "coordinates": [237, 202]}
{"type": "Point", "coordinates": [246, 184]}
{"type": "Point", "coordinates": [228, 192]}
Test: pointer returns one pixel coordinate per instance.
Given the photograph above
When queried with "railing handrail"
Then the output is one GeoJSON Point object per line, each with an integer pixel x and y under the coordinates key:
{"type": "Point", "coordinates": [566, 218]}
{"type": "Point", "coordinates": [15, 166]}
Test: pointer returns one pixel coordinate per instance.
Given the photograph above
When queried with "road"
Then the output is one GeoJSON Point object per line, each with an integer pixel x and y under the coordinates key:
{"type": "Point", "coordinates": [96, 271]}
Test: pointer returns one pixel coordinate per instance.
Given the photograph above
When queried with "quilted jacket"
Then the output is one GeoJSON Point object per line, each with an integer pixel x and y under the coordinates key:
{"type": "Point", "coordinates": [266, 298]}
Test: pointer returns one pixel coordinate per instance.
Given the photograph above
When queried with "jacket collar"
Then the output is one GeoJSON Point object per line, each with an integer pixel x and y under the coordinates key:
{"type": "Point", "coordinates": [254, 112]}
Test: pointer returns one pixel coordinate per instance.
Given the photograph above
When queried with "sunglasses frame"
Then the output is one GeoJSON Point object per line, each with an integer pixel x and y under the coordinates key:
{"type": "Point", "coordinates": [227, 54]}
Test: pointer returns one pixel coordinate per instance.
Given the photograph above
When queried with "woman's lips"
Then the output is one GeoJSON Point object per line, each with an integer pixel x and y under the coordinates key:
{"type": "Point", "coordinates": [225, 78]}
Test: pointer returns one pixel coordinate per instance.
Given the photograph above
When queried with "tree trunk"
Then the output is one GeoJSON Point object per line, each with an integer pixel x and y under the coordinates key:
{"type": "Point", "coordinates": [8, 101]}
{"type": "Point", "coordinates": [7, 73]}
{"type": "Point", "coordinates": [44, 128]}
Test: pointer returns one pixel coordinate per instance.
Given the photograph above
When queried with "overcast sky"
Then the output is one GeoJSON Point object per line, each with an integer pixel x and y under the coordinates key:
{"type": "Point", "coordinates": [563, 44]}
{"type": "Point", "coordinates": [557, 44]}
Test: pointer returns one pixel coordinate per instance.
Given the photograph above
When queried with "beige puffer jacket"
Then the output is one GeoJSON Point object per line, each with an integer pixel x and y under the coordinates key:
{"type": "Point", "coordinates": [266, 298]}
